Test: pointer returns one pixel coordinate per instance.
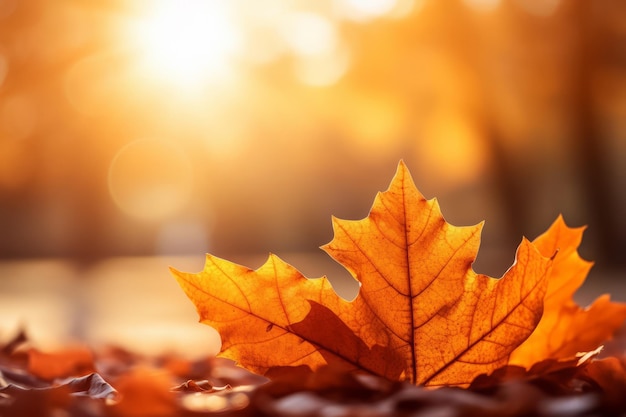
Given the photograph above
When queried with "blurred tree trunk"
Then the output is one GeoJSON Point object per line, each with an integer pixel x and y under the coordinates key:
{"type": "Point", "coordinates": [594, 50]}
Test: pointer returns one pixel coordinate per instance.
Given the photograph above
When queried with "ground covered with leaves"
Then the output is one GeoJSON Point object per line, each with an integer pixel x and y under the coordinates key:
{"type": "Point", "coordinates": [113, 382]}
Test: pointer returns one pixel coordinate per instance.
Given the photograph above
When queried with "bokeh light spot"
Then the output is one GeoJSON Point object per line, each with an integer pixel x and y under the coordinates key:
{"type": "Point", "coordinates": [320, 60]}
{"type": "Point", "coordinates": [323, 70]}
{"type": "Point", "coordinates": [205, 403]}
{"type": "Point", "coordinates": [150, 179]}
{"type": "Point", "coordinates": [310, 34]}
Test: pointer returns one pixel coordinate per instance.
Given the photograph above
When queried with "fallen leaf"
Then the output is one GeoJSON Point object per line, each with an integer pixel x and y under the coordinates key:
{"type": "Point", "coordinates": [609, 374]}
{"type": "Point", "coordinates": [552, 388]}
{"type": "Point", "coordinates": [422, 313]}
{"type": "Point", "coordinates": [556, 377]}
{"type": "Point", "coordinates": [565, 328]}
{"type": "Point", "coordinates": [199, 386]}
{"type": "Point", "coordinates": [19, 339]}
{"type": "Point", "coordinates": [92, 385]}
{"type": "Point", "coordinates": [32, 397]}
{"type": "Point", "coordinates": [70, 361]}
{"type": "Point", "coordinates": [144, 392]}
{"type": "Point", "coordinates": [328, 392]}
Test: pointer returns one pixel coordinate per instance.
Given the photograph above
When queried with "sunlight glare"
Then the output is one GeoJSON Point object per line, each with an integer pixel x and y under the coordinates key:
{"type": "Point", "coordinates": [188, 42]}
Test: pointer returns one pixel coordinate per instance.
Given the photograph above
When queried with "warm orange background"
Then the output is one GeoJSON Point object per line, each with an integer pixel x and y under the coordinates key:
{"type": "Point", "coordinates": [153, 128]}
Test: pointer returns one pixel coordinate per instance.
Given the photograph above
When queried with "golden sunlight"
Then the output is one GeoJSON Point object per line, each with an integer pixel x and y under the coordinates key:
{"type": "Point", "coordinates": [187, 42]}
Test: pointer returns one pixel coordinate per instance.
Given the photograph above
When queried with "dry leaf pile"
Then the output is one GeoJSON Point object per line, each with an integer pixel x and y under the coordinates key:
{"type": "Point", "coordinates": [117, 383]}
{"type": "Point", "coordinates": [426, 335]}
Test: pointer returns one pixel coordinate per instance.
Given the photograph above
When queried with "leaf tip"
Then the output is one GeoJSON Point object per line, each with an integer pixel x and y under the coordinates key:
{"type": "Point", "coordinates": [560, 224]}
{"type": "Point", "coordinates": [177, 274]}
{"type": "Point", "coordinates": [402, 171]}
{"type": "Point", "coordinates": [560, 220]}
{"type": "Point", "coordinates": [528, 249]}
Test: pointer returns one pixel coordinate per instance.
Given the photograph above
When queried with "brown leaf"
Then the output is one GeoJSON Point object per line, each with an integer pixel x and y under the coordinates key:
{"type": "Point", "coordinates": [9, 347]}
{"type": "Point", "coordinates": [199, 386]}
{"type": "Point", "coordinates": [92, 385]}
{"type": "Point", "coordinates": [556, 377]}
{"type": "Point", "coordinates": [422, 314]}
{"type": "Point", "coordinates": [25, 396]}
{"type": "Point", "coordinates": [610, 375]}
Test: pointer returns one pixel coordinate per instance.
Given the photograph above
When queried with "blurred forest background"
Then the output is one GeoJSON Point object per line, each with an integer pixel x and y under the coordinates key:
{"type": "Point", "coordinates": [159, 128]}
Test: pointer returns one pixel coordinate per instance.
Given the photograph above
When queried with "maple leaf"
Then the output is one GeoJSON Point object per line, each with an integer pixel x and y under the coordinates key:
{"type": "Point", "coordinates": [565, 328]}
{"type": "Point", "coordinates": [422, 313]}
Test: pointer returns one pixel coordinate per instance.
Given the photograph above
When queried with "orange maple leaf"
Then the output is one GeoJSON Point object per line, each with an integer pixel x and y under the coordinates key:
{"type": "Point", "coordinates": [565, 328]}
{"type": "Point", "coordinates": [422, 313]}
